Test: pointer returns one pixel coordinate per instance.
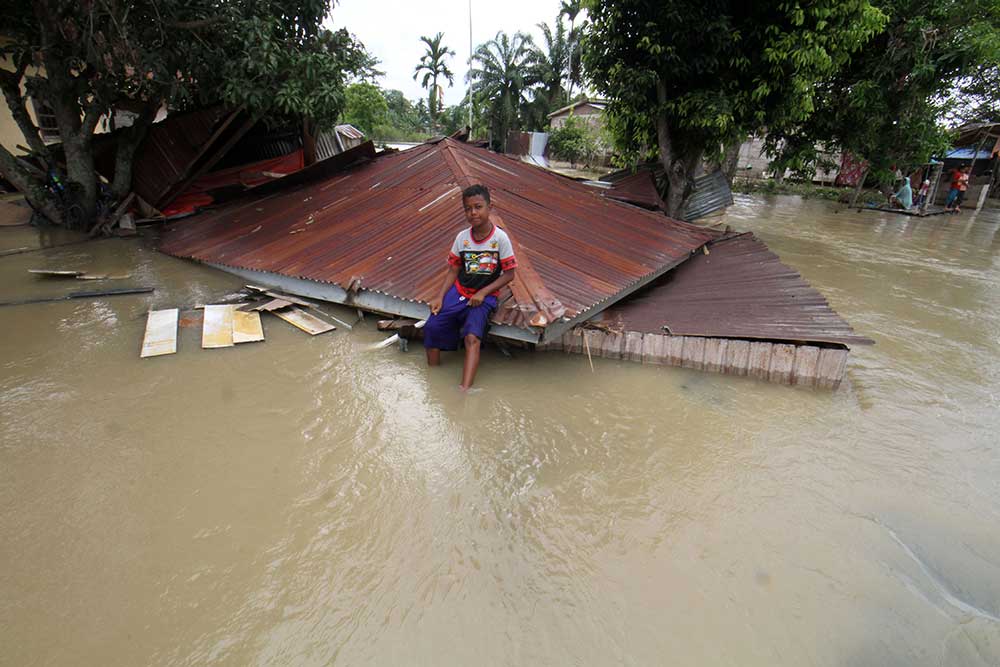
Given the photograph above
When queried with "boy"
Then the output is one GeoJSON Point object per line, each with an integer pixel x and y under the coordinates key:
{"type": "Point", "coordinates": [959, 184]}
{"type": "Point", "coordinates": [480, 263]}
{"type": "Point", "coordinates": [925, 187]}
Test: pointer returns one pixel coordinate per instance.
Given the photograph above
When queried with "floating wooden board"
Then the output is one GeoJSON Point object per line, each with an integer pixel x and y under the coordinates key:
{"type": "Point", "coordinates": [247, 327]}
{"type": "Point", "coordinates": [161, 333]}
{"type": "Point", "coordinates": [217, 329]}
{"type": "Point", "coordinates": [56, 273]}
{"type": "Point", "coordinates": [303, 320]}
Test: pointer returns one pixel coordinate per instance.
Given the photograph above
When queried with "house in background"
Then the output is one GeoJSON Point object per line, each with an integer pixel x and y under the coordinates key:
{"type": "Point", "coordinates": [589, 111]}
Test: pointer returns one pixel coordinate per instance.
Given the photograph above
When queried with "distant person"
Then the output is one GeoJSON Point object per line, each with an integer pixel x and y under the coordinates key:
{"type": "Point", "coordinates": [925, 188]}
{"type": "Point", "coordinates": [959, 184]}
{"type": "Point", "coordinates": [904, 196]}
{"type": "Point", "coordinates": [480, 263]}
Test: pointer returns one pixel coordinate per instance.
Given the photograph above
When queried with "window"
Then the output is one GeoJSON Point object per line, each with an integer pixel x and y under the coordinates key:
{"type": "Point", "coordinates": [45, 118]}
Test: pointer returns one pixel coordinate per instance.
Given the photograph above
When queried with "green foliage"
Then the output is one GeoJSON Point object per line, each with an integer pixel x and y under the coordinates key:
{"type": "Point", "coordinates": [503, 74]}
{"type": "Point", "coordinates": [365, 108]}
{"type": "Point", "coordinates": [87, 59]}
{"type": "Point", "coordinates": [934, 59]}
{"type": "Point", "coordinates": [686, 78]}
{"type": "Point", "coordinates": [432, 65]}
{"type": "Point", "coordinates": [573, 141]}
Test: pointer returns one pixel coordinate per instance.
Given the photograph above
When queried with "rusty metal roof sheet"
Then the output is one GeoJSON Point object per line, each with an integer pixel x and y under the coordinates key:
{"type": "Point", "coordinates": [635, 187]}
{"type": "Point", "coordinates": [387, 225]}
{"type": "Point", "coordinates": [739, 290]}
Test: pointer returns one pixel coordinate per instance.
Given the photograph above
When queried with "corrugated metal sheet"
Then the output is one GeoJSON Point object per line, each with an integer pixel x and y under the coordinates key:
{"type": "Point", "coordinates": [338, 140]}
{"type": "Point", "coordinates": [386, 225]}
{"type": "Point", "coordinates": [739, 290]}
{"type": "Point", "coordinates": [635, 187]}
{"type": "Point", "coordinates": [711, 193]}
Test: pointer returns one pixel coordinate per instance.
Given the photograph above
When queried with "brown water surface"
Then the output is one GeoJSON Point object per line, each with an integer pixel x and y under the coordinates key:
{"type": "Point", "coordinates": [306, 502]}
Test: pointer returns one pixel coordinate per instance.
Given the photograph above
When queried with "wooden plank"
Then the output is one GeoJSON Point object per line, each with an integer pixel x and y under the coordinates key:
{"type": "Point", "coordinates": [652, 349]}
{"type": "Point", "coordinates": [673, 350]}
{"type": "Point", "coordinates": [759, 360]}
{"type": "Point", "coordinates": [611, 345]}
{"type": "Point", "coordinates": [305, 321]}
{"type": "Point", "coordinates": [737, 357]}
{"type": "Point", "coordinates": [830, 368]}
{"type": "Point", "coordinates": [633, 346]}
{"type": "Point", "coordinates": [804, 369]}
{"type": "Point", "coordinates": [161, 333]}
{"type": "Point", "coordinates": [715, 354]}
{"type": "Point", "coordinates": [693, 352]}
{"type": "Point", "coordinates": [56, 273]}
{"type": "Point", "coordinates": [247, 327]}
{"type": "Point", "coordinates": [217, 329]}
{"type": "Point", "coordinates": [782, 360]}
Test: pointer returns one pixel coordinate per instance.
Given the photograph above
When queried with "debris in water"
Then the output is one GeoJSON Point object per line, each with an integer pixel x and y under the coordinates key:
{"type": "Point", "coordinates": [306, 321]}
{"type": "Point", "coordinates": [161, 333]}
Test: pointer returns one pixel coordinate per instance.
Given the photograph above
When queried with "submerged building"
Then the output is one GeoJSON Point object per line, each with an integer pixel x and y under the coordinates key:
{"type": "Point", "coordinates": [373, 231]}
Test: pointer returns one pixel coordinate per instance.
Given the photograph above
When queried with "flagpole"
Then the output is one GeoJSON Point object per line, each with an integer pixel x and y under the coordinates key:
{"type": "Point", "coordinates": [470, 69]}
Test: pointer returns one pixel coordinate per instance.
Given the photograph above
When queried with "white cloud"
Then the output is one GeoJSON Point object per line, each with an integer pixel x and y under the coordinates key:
{"type": "Point", "coordinates": [391, 31]}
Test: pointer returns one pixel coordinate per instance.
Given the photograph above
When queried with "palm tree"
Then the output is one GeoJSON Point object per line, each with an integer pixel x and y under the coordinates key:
{"type": "Point", "coordinates": [432, 65]}
{"type": "Point", "coordinates": [571, 9]}
{"type": "Point", "coordinates": [505, 69]}
{"type": "Point", "coordinates": [551, 63]}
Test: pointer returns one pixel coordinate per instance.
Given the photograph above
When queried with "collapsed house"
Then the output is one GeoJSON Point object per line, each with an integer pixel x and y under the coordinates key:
{"type": "Point", "coordinates": [373, 232]}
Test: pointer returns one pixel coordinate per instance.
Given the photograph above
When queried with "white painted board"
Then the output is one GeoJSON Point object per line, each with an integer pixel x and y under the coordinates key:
{"type": "Point", "coordinates": [217, 329]}
{"type": "Point", "coordinates": [161, 333]}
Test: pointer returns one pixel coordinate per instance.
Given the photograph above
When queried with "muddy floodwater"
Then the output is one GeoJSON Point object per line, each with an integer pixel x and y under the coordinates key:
{"type": "Point", "coordinates": [304, 501]}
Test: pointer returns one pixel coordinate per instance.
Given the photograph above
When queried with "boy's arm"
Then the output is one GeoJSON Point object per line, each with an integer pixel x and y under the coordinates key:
{"type": "Point", "coordinates": [449, 280]}
{"type": "Point", "coordinates": [505, 278]}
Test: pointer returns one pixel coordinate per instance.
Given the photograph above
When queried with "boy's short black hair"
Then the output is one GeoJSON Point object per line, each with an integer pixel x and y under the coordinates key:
{"type": "Point", "coordinates": [477, 190]}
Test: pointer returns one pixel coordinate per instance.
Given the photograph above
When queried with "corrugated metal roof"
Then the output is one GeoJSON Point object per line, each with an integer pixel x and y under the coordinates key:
{"type": "Point", "coordinates": [388, 223]}
{"type": "Point", "coordinates": [711, 193]}
{"type": "Point", "coordinates": [739, 290]}
{"type": "Point", "coordinates": [635, 187]}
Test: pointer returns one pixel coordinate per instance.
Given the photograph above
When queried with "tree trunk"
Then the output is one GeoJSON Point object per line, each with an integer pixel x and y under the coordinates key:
{"type": "Point", "coordinates": [129, 140]}
{"type": "Point", "coordinates": [82, 185]}
{"type": "Point", "coordinates": [34, 191]}
{"type": "Point", "coordinates": [678, 167]}
{"type": "Point", "coordinates": [730, 161]}
{"type": "Point", "coordinates": [859, 187]}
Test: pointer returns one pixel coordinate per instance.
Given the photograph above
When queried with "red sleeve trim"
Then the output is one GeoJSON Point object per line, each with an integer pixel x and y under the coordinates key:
{"type": "Point", "coordinates": [454, 260]}
{"type": "Point", "coordinates": [509, 263]}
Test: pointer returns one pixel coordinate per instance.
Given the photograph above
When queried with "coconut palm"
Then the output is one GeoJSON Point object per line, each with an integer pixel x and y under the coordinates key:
{"type": "Point", "coordinates": [504, 70]}
{"type": "Point", "coordinates": [432, 65]}
{"type": "Point", "coordinates": [571, 9]}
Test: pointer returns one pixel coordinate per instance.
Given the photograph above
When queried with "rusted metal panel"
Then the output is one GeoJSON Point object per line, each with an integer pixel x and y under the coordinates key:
{"type": "Point", "coordinates": [739, 290]}
{"type": "Point", "coordinates": [385, 227]}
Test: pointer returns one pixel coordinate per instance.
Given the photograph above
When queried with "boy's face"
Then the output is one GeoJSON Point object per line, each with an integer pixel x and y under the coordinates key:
{"type": "Point", "coordinates": [477, 211]}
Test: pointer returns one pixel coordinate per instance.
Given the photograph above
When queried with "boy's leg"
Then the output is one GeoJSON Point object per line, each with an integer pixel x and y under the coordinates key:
{"type": "Point", "coordinates": [473, 332]}
{"type": "Point", "coordinates": [441, 330]}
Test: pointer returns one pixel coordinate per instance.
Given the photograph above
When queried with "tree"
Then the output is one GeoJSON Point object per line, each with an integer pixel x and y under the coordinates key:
{"type": "Point", "coordinates": [504, 71]}
{"type": "Point", "coordinates": [433, 65]}
{"type": "Point", "coordinates": [365, 108]}
{"type": "Point", "coordinates": [573, 141]}
{"type": "Point", "coordinates": [88, 60]}
{"type": "Point", "coordinates": [933, 60]}
{"type": "Point", "coordinates": [551, 61]}
{"type": "Point", "coordinates": [686, 78]}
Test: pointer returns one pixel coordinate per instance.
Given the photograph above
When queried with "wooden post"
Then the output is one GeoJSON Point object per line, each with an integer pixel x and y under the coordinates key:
{"type": "Point", "coordinates": [308, 143]}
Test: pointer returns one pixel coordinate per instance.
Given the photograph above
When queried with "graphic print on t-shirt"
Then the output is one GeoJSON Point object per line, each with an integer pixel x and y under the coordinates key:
{"type": "Point", "coordinates": [480, 263]}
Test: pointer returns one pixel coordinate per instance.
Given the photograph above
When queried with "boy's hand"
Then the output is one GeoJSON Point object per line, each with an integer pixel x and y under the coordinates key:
{"type": "Point", "coordinates": [435, 305]}
{"type": "Point", "coordinates": [476, 299]}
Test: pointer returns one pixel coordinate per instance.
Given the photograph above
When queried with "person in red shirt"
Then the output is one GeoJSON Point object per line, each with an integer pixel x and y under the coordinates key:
{"type": "Point", "coordinates": [480, 263]}
{"type": "Point", "coordinates": [959, 184]}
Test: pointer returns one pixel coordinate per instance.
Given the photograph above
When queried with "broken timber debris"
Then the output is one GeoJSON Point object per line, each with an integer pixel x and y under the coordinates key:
{"type": "Point", "coordinates": [82, 295]}
{"type": "Point", "coordinates": [247, 327]}
{"type": "Point", "coordinates": [305, 321]}
{"type": "Point", "coordinates": [217, 329]}
{"type": "Point", "coordinates": [57, 273]}
{"type": "Point", "coordinates": [161, 333]}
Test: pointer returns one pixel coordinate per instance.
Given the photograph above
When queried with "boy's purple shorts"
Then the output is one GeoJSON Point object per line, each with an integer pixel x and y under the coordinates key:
{"type": "Point", "coordinates": [456, 320]}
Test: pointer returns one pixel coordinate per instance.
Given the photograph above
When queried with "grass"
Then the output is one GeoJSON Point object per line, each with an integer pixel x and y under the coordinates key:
{"type": "Point", "coordinates": [805, 190]}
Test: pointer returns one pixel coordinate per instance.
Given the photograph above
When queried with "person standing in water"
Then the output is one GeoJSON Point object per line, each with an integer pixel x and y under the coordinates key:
{"type": "Point", "coordinates": [480, 263]}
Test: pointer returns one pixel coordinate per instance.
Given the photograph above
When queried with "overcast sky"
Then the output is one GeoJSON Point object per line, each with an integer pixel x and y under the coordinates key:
{"type": "Point", "coordinates": [391, 30]}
